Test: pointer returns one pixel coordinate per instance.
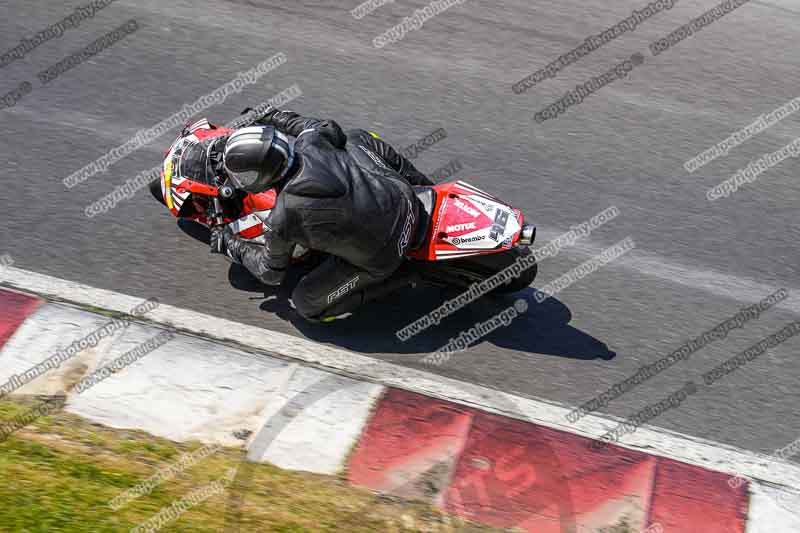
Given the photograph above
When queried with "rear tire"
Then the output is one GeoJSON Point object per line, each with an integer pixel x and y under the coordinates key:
{"type": "Point", "coordinates": [522, 282]}
{"type": "Point", "coordinates": [464, 272]}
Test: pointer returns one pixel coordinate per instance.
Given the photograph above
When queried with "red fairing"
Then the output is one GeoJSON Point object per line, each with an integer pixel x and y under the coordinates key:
{"type": "Point", "coordinates": [259, 202]}
{"type": "Point", "coordinates": [257, 205]}
{"type": "Point", "coordinates": [203, 134]}
{"type": "Point", "coordinates": [197, 132]}
{"type": "Point", "coordinates": [253, 232]}
{"type": "Point", "coordinates": [468, 221]}
{"type": "Point", "coordinates": [253, 204]}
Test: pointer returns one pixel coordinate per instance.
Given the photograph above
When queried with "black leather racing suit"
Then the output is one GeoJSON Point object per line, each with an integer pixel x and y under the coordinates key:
{"type": "Point", "coordinates": [347, 195]}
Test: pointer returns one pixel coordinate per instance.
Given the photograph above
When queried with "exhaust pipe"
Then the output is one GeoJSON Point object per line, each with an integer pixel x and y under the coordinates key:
{"type": "Point", "coordinates": [527, 235]}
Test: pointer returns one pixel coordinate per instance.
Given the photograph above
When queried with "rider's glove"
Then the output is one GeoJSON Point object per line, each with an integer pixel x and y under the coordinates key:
{"type": "Point", "coordinates": [220, 235]}
{"type": "Point", "coordinates": [265, 119]}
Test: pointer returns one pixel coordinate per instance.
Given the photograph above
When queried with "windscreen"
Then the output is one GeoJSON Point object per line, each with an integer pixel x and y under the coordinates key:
{"type": "Point", "coordinates": [194, 161]}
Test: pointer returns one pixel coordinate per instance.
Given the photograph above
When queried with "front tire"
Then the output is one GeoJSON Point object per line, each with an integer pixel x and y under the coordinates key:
{"type": "Point", "coordinates": [155, 190]}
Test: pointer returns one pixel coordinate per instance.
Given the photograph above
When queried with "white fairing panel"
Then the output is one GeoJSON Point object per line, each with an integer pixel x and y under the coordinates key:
{"type": "Point", "coordinates": [245, 223]}
{"type": "Point", "coordinates": [503, 228]}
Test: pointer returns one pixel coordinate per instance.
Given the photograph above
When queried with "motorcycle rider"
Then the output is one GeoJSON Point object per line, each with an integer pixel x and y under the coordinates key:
{"type": "Point", "coordinates": [349, 195]}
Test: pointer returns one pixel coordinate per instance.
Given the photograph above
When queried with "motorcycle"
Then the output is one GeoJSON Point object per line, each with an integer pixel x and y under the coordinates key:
{"type": "Point", "coordinates": [466, 235]}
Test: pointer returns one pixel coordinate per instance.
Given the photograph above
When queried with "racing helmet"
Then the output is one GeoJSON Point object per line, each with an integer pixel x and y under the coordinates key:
{"type": "Point", "coordinates": [256, 158]}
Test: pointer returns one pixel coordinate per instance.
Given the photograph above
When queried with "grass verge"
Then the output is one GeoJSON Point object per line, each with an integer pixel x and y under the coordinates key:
{"type": "Point", "coordinates": [60, 472]}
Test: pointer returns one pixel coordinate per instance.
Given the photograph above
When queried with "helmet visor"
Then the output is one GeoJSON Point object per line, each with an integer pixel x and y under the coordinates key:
{"type": "Point", "coordinates": [243, 180]}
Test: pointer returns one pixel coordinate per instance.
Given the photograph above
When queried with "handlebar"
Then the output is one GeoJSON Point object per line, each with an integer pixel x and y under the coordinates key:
{"type": "Point", "coordinates": [224, 191]}
{"type": "Point", "coordinates": [215, 211]}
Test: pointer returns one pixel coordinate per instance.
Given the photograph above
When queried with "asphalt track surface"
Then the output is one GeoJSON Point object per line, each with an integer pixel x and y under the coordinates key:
{"type": "Point", "coordinates": [696, 262]}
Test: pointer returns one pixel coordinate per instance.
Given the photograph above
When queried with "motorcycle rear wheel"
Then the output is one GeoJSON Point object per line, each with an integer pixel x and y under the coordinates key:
{"type": "Point", "coordinates": [466, 271]}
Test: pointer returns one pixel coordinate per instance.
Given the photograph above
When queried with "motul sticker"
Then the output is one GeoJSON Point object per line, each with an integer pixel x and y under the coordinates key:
{"type": "Point", "coordinates": [460, 227]}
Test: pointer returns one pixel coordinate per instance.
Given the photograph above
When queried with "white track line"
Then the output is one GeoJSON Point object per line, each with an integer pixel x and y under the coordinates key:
{"type": "Point", "coordinates": [653, 440]}
{"type": "Point", "coordinates": [723, 285]}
